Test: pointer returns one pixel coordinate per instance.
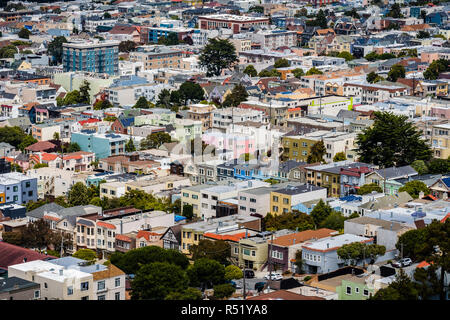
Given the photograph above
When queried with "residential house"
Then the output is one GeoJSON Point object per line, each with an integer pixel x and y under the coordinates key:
{"type": "Point", "coordinates": [285, 199]}
{"type": "Point", "coordinates": [386, 178]}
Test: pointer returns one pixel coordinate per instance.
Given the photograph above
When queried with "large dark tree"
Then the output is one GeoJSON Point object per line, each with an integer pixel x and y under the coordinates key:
{"type": "Point", "coordinates": [156, 280]}
{"type": "Point", "coordinates": [24, 33]}
{"type": "Point", "coordinates": [294, 220]}
{"type": "Point", "coordinates": [216, 250]}
{"type": "Point", "coordinates": [414, 188]}
{"type": "Point", "coordinates": [155, 140]}
{"type": "Point", "coordinates": [84, 92]}
{"type": "Point", "coordinates": [217, 55]}
{"type": "Point", "coordinates": [55, 48]}
{"type": "Point", "coordinates": [237, 95]}
{"type": "Point", "coordinates": [320, 212]}
{"type": "Point", "coordinates": [402, 288]}
{"type": "Point", "coordinates": [12, 135]}
{"type": "Point", "coordinates": [316, 152]}
{"type": "Point", "coordinates": [191, 91]}
{"type": "Point", "coordinates": [78, 195]}
{"type": "Point", "coordinates": [391, 141]}
{"type": "Point", "coordinates": [435, 68]}
{"type": "Point", "coordinates": [397, 71]}
{"type": "Point", "coordinates": [127, 46]}
{"type": "Point", "coordinates": [206, 273]}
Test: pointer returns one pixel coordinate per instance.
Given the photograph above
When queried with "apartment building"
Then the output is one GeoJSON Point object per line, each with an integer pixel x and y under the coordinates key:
{"type": "Point", "coordinates": [57, 282]}
{"type": "Point", "coordinates": [285, 199]}
{"type": "Point", "coordinates": [128, 95]}
{"type": "Point", "coordinates": [273, 39]}
{"type": "Point", "coordinates": [228, 21]}
{"type": "Point", "coordinates": [371, 93]}
{"type": "Point", "coordinates": [298, 147]}
{"type": "Point", "coordinates": [203, 113]}
{"type": "Point", "coordinates": [158, 57]}
{"type": "Point", "coordinates": [254, 201]}
{"type": "Point", "coordinates": [17, 188]}
{"type": "Point", "coordinates": [91, 56]}
{"type": "Point", "coordinates": [103, 145]}
{"type": "Point", "coordinates": [440, 141]}
{"type": "Point", "coordinates": [223, 118]}
{"type": "Point", "coordinates": [156, 185]}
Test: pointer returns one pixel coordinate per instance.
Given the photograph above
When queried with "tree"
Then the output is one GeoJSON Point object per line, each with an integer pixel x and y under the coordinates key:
{"type": "Point", "coordinates": [257, 9]}
{"type": "Point", "coordinates": [102, 104]}
{"type": "Point", "coordinates": [346, 55]}
{"type": "Point", "coordinates": [72, 97]}
{"type": "Point", "coordinates": [107, 15]}
{"type": "Point", "coordinates": [294, 220]}
{"type": "Point", "coordinates": [27, 141]}
{"type": "Point", "coordinates": [238, 95]}
{"type": "Point", "coordinates": [316, 152]}
{"type": "Point", "coordinates": [155, 140]}
{"type": "Point", "coordinates": [437, 165]}
{"type": "Point", "coordinates": [127, 46]}
{"type": "Point", "coordinates": [427, 282]}
{"type": "Point", "coordinates": [188, 211]}
{"type": "Point", "coordinates": [372, 56]}
{"type": "Point", "coordinates": [395, 11]}
{"type": "Point", "coordinates": [397, 71]}
{"type": "Point", "coordinates": [414, 188]}
{"type": "Point", "coordinates": [354, 252]}
{"type": "Point", "coordinates": [215, 250]}
{"type": "Point", "coordinates": [206, 273]}
{"type": "Point", "coordinates": [321, 20]}
{"type": "Point", "coordinates": [78, 195]}
{"type": "Point", "coordinates": [420, 167]}
{"type": "Point", "coordinates": [24, 33]}
{"type": "Point", "coordinates": [217, 55]}
{"type": "Point", "coordinates": [299, 261]}
{"type": "Point", "coordinates": [84, 92]}
{"type": "Point", "coordinates": [435, 68]}
{"type": "Point", "coordinates": [392, 141]}
{"type": "Point", "coordinates": [225, 290]}
{"type": "Point", "coordinates": [298, 73]}
{"type": "Point", "coordinates": [352, 13]}
{"type": "Point", "coordinates": [55, 48]}
{"type": "Point", "coordinates": [164, 99]}
{"type": "Point", "coordinates": [233, 272]}
{"type": "Point", "coordinates": [129, 146]}
{"type": "Point", "coordinates": [73, 147]}
{"type": "Point", "coordinates": [8, 51]}
{"type": "Point", "coordinates": [369, 188]}
{"type": "Point", "coordinates": [281, 63]}
{"type": "Point", "coordinates": [251, 71]}
{"type": "Point", "coordinates": [339, 156]}
{"type": "Point", "coordinates": [435, 250]}
{"type": "Point", "coordinates": [313, 70]}
{"type": "Point", "coordinates": [131, 261]}
{"type": "Point", "coordinates": [320, 212]}
{"type": "Point", "coordinates": [271, 73]}
{"type": "Point", "coordinates": [374, 78]}
{"type": "Point", "coordinates": [402, 288]}
{"type": "Point", "coordinates": [191, 91]}
{"type": "Point", "coordinates": [334, 221]}
{"type": "Point", "coordinates": [156, 280]}
{"type": "Point", "coordinates": [142, 103]}
{"type": "Point", "coordinates": [12, 135]}
{"type": "Point", "coordinates": [40, 165]}
{"type": "Point", "coordinates": [188, 294]}
{"type": "Point", "coordinates": [423, 35]}
{"type": "Point", "coordinates": [410, 242]}
{"type": "Point", "coordinates": [86, 254]}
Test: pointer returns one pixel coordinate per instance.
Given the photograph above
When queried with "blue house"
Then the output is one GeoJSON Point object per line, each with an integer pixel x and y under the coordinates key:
{"type": "Point", "coordinates": [439, 18]}
{"type": "Point", "coordinates": [245, 171]}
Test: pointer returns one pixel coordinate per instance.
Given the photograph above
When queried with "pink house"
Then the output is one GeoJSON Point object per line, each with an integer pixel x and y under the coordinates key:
{"type": "Point", "coordinates": [239, 144]}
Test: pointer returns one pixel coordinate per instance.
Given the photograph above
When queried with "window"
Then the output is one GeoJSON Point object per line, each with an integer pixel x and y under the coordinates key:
{"type": "Point", "coordinates": [84, 286]}
{"type": "Point", "coordinates": [349, 290]}
{"type": "Point", "coordinates": [356, 290]}
{"type": "Point", "coordinates": [366, 292]}
{"type": "Point", "coordinates": [252, 200]}
{"type": "Point", "coordinates": [242, 198]}
{"type": "Point", "coordinates": [37, 294]}
{"type": "Point", "coordinates": [275, 208]}
{"type": "Point", "coordinates": [117, 282]}
{"type": "Point", "coordinates": [102, 297]}
{"type": "Point", "coordinates": [275, 199]}
{"type": "Point", "coordinates": [253, 253]}
{"type": "Point", "coordinates": [286, 200]}
{"type": "Point", "coordinates": [70, 291]}
{"type": "Point", "coordinates": [117, 296]}
{"type": "Point", "coordinates": [101, 285]}
{"type": "Point", "coordinates": [243, 208]}
{"type": "Point", "coordinates": [45, 285]}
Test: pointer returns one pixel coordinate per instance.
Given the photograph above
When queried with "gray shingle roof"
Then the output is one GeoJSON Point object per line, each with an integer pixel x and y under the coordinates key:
{"type": "Point", "coordinates": [39, 212]}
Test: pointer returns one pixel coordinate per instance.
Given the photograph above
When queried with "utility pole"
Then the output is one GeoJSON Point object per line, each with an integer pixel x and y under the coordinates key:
{"type": "Point", "coordinates": [244, 293]}
{"type": "Point", "coordinates": [270, 259]}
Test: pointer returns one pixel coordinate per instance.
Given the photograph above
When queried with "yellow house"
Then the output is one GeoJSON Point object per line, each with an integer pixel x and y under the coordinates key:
{"type": "Point", "coordinates": [440, 141]}
{"type": "Point", "coordinates": [24, 66]}
{"type": "Point", "coordinates": [284, 200]}
{"type": "Point", "coordinates": [191, 196]}
{"type": "Point", "coordinates": [279, 203]}
{"type": "Point", "coordinates": [296, 147]}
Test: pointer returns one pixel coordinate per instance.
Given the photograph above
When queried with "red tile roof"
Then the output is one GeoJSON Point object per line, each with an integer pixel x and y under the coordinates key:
{"type": "Point", "coordinates": [49, 156]}
{"type": "Point", "coordinates": [231, 237]}
{"type": "Point", "coordinates": [11, 255]}
{"type": "Point", "coordinates": [41, 146]}
{"type": "Point", "coordinates": [123, 237]}
{"type": "Point", "coordinates": [106, 225]}
{"type": "Point", "coordinates": [303, 236]}
{"type": "Point", "coordinates": [146, 234]}
{"type": "Point", "coordinates": [90, 120]}
{"type": "Point", "coordinates": [50, 218]}
{"type": "Point", "coordinates": [284, 295]}
{"type": "Point", "coordinates": [445, 218]}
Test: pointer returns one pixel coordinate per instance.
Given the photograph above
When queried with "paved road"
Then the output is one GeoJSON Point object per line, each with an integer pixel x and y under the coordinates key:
{"type": "Point", "coordinates": [249, 283]}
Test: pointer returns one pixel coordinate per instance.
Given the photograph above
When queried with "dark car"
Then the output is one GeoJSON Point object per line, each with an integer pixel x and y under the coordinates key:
{"type": "Point", "coordinates": [249, 273]}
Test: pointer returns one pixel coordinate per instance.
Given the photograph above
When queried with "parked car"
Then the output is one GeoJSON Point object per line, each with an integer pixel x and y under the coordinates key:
{"type": "Point", "coordinates": [402, 263]}
{"type": "Point", "coordinates": [235, 285]}
{"type": "Point", "coordinates": [275, 276]}
{"type": "Point", "coordinates": [249, 273]}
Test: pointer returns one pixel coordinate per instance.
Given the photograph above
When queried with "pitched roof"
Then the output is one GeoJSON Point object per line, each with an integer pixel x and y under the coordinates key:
{"type": "Point", "coordinates": [48, 207]}
{"type": "Point", "coordinates": [146, 234]}
{"type": "Point", "coordinates": [105, 225]}
{"type": "Point", "coordinates": [11, 255]}
{"type": "Point", "coordinates": [111, 272]}
{"type": "Point", "coordinates": [302, 236]}
{"type": "Point", "coordinates": [40, 146]}
{"type": "Point", "coordinates": [230, 237]}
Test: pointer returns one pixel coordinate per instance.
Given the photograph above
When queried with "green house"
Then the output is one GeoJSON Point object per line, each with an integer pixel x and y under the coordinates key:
{"type": "Point", "coordinates": [355, 289]}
